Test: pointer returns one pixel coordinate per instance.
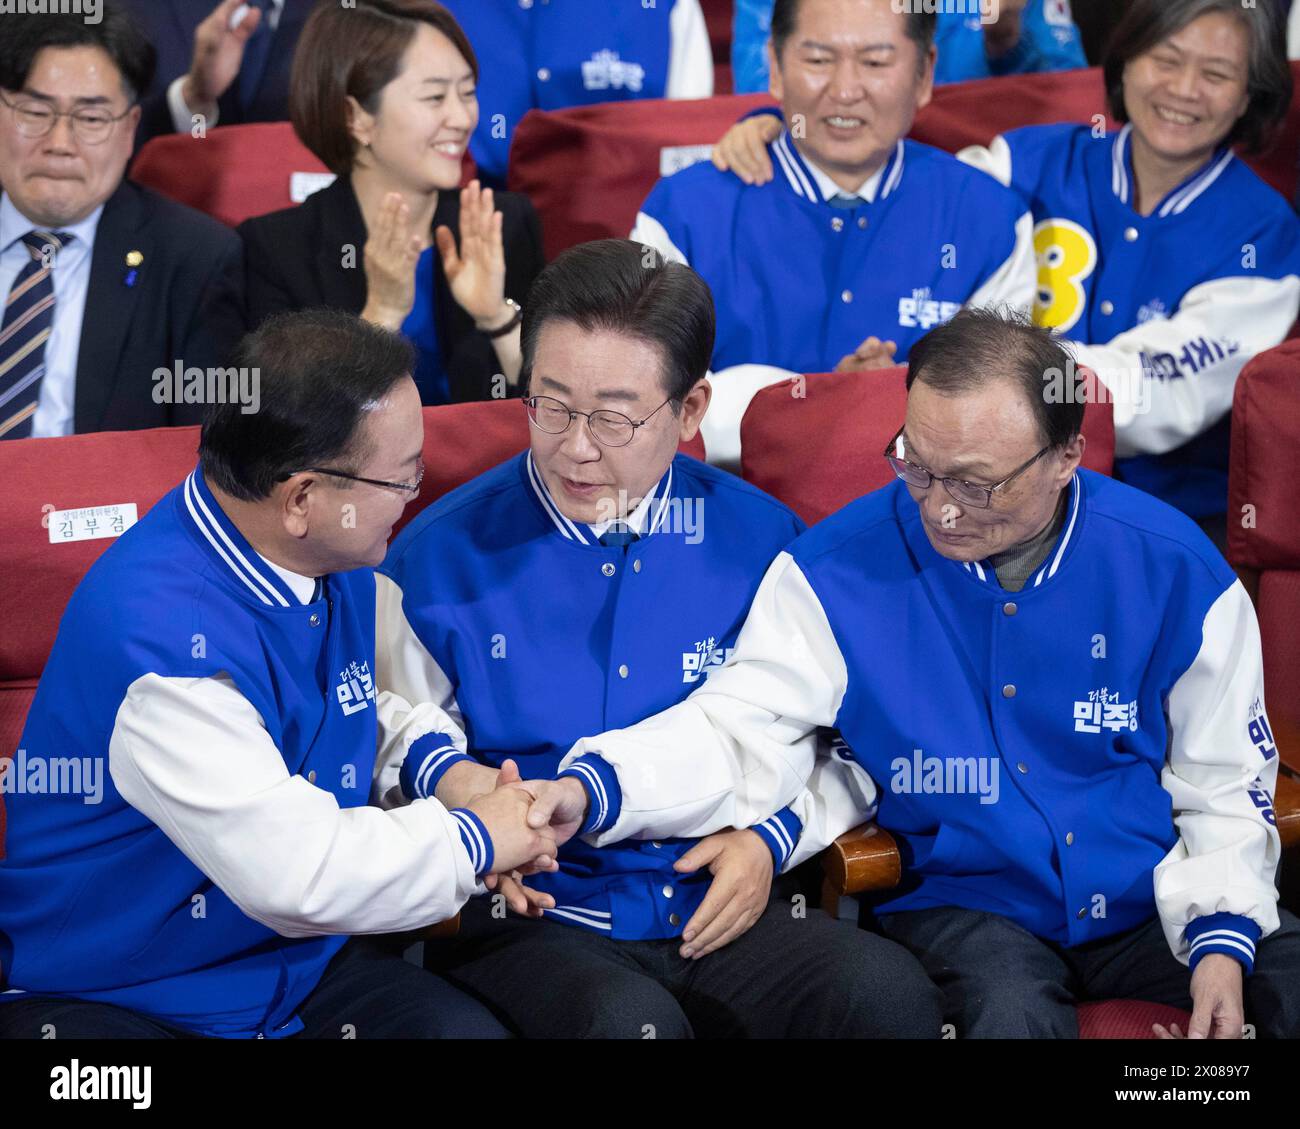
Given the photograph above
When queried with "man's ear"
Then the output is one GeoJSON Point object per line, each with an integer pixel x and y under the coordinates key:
{"type": "Point", "coordinates": [775, 83]}
{"type": "Point", "coordinates": [295, 503]}
{"type": "Point", "coordinates": [694, 406]}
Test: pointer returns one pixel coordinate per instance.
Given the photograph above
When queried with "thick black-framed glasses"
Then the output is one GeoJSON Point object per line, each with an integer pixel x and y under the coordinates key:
{"type": "Point", "coordinates": [967, 493]}
{"type": "Point", "coordinates": [608, 428]}
{"type": "Point", "coordinates": [411, 488]}
{"type": "Point", "coordinates": [36, 118]}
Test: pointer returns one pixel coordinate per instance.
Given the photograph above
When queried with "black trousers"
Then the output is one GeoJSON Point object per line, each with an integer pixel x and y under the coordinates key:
{"type": "Point", "coordinates": [1001, 982]}
{"type": "Point", "coordinates": [366, 992]}
{"type": "Point", "coordinates": [791, 975]}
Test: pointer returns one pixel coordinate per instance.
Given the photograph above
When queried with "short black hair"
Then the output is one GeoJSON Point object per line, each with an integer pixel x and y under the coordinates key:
{"type": "Point", "coordinates": [920, 25]}
{"type": "Point", "coordinates": [319, 372]}
{"type": "Point", "coordinates": [117, 34]}
{"type": "Point", "coordinates": [625, 287]}
{"type": "Point", "coordinates": [981, 346]}
{"type": "Point", "coordinates": [1269, 85]}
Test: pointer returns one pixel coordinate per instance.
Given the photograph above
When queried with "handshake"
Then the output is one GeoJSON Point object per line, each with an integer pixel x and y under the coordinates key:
{"type": "Point", "coordinates": [528, 821]}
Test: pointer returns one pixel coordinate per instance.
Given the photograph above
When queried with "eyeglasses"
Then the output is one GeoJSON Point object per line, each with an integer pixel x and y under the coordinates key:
{"type": "Point", "coordinates": [967, 493]}
{"type": "Point", "coordinates": [610, 429]}
{"type": "Point", "coordinates": [90, 124]}
{"type": "Point", "coordinates": [411, 488]}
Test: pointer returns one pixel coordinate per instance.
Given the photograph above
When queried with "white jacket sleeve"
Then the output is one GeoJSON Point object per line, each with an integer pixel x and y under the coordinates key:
{"type": "Point", "coordinates": [1015, 283]}
{"type": "Point", "coordinates": [690, 62]}
{"type": "Point", "coordinates": [743, 745]}
{"type": "Point", "coordinates": [1171, 379]}
{"type": "Point", "coordinates": [1221, 774]}
{"type": "Point", "coordinates": [194, 756]}
{"type": "Point", "coordinates": [840, 795]}
{"type": "Point", "coordinates": [417, 704]}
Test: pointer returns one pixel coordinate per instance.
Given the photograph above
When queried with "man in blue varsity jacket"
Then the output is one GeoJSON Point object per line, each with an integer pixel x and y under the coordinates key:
{"type": "Point", "coordinates": [864, 240]}
{"type": "Point", "coordinates": [591, 581]}
{"type": "Point", "coordinates": [189, 843]}
{"type": "Point", "coordinates": [1051, 685]}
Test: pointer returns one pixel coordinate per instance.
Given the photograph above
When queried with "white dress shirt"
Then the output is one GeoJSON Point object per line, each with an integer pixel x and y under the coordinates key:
{"type": "Point", "coordinates": [71, 278]}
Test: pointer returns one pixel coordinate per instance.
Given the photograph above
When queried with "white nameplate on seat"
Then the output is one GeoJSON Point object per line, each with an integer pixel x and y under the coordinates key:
{"type": "Point", "coordinates": [678, 157]}
{"type": "Point", "coordinates": [304, 184]}
{"type": "Point", "coordinates": [90, 524]}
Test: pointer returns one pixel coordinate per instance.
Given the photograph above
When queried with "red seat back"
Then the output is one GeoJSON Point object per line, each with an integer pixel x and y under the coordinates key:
{"type": "Point", "coordinates": [619, 150]}
{"type": "Point", "coordinates": [1263, 529]}
{"type": "Point", "coordinates": [816, 442]}
{"type": "Point", "coordinates": [236, 172]}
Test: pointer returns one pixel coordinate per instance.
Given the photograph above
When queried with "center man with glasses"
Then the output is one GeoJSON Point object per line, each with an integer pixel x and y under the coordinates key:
{"type": "Point", "coordinates": [1054, 681]}
{"type": "Point", "coordinates": [586, 584]}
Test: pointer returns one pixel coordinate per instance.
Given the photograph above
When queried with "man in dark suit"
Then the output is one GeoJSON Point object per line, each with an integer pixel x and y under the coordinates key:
{"type": "Point", "coordinates": [227, 64]}
{"type": "Point", "coordinates": [106, 284]}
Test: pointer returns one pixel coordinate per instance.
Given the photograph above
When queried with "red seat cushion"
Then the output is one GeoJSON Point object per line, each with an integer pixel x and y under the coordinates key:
{"type": "Point", "coordinates": [817, 442]}
{"type": "Point", "coordinates": [236, 171]}
{"type": "Point", "coordinates": [1127, 1019]}
{"type": "Point", "coordinates": [621, 149]}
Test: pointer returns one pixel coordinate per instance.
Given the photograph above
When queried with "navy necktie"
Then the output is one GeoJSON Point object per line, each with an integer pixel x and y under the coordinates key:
{"type": "Point", "coordinates": [619, 534]}
{"type": "Point", "coordinates": [256, 53]}
{"type": "Point", "coordinates": [28, 320]}
{"type": "Point", "coordinates": [845, 203]}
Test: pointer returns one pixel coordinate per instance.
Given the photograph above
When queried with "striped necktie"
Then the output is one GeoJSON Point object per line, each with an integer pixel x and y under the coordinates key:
{"type": "Point", "coordinates": [29, 317]}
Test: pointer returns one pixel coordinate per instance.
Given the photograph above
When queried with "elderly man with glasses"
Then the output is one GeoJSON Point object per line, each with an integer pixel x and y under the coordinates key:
{"type": "Point", "coordinates": [1054, 682]}
{"type": "Point", "coordinates": [585, 584]}
{"type": "Point", "coordinates": [104, 282]}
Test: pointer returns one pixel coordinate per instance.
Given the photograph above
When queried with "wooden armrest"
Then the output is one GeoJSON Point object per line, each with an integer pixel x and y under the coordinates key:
{"type": "Point", "coordinates": [865, 858]}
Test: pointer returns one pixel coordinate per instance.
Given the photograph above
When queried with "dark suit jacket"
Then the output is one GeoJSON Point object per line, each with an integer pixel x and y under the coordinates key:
{"type": "Point", "coordinates": [130, 330]}
{"type": "Point", "coordinates": [294, 258]}
{"type": "Point", "coordinates": [170, 25]}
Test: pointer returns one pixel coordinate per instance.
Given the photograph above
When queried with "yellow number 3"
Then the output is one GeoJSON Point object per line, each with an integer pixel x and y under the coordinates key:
{"type": "Point", "coordinates": [1067, 256]}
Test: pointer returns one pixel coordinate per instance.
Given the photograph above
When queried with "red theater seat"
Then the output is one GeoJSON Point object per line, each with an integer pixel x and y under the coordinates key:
{"type": "Point", "coordinates": [139, 467]}
{"type": "Point", "coordinates": [589, 169]}
{"type": "Point", "coordinates": [1263, 529]}
{"type": "Point", "coordinates": [816, 442]}
{"type": "Point", "coordinates": [236, 171]}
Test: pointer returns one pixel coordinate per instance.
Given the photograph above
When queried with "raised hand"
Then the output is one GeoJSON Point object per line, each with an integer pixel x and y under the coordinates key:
{"type": "Point", "coordinates": [477, 272]}
{"type": "Point", "coordinates": [392, 251]}
{"type": "Point", "coordinates": [741, 866]}
{"type": "Point", "coordinates": [743, 148]}
{"type": "Point", "coordinates": [218, 54]}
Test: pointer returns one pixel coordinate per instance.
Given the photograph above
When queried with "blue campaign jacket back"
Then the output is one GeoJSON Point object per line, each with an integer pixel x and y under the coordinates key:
{"type": "Point", "coordinates": [546, 639]}
{"type": "Point", "coordinates": [1045, 688]}
{"type": "Point", "coordinates": [95, 901]}
{"type": "Point", "coordinates": [799, 284]}
{"type": "Point", "coordinates": [557, 53]}
{"type": "Point", "coordinates": [1117, 269]}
